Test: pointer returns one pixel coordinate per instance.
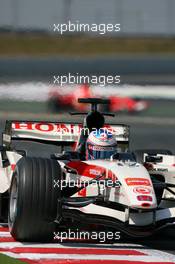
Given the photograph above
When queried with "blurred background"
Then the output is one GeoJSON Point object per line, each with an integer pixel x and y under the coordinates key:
{"type": "Point", "coordinates": [142, 53]}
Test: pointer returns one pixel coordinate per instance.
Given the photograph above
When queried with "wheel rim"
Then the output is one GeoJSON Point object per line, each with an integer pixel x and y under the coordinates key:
{"type": "Point", "coordinates": [13, 200]}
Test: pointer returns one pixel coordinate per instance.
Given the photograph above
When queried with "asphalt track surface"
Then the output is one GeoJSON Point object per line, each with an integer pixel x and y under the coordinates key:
{"type": "Point", "coordinates": [146, 133]}
{"type": "Point", "coordinates": [141, 69]}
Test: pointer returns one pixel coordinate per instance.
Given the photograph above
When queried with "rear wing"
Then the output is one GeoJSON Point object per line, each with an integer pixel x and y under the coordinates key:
{"type": "Point", "coordinates": [59, 133]}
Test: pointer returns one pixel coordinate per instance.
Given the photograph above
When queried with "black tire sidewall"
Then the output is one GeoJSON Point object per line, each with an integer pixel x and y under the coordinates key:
{"type": "Point", "coordinates": [37, 199]}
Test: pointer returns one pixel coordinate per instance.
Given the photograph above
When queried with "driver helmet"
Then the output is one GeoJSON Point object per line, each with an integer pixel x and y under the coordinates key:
{"type": "Point", "coordinates": [101, 144]}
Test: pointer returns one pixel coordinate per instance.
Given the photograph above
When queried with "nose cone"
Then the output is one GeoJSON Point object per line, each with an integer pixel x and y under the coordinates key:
{"type": "Point", "coordinates": [136, 185]}
{"type": "Point", "coordinates": [140, 192]}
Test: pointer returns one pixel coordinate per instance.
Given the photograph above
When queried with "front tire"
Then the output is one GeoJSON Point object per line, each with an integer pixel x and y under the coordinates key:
{"type": "Point", "coordinates": [33, 199]}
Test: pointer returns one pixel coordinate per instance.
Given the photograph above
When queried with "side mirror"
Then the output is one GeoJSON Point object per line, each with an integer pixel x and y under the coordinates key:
{"type": "Point", "coordinates": [154, 159]}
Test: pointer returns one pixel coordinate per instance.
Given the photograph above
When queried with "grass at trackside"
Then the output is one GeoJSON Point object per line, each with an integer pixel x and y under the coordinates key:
{"type": "Point", "coordinates": [157, 108]}
{"type": "Point", "coordinates": [7, 260]}
{"type": "Point", "coordinates": [42, 44]}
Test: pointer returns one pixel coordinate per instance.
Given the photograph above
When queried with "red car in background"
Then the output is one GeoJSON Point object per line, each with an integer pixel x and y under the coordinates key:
{"type": "Point", "coordinates": [59, 101]}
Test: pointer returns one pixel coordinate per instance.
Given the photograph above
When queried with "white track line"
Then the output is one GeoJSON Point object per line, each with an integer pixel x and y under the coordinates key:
{"type": "Point", "coordinates": [38, 91]}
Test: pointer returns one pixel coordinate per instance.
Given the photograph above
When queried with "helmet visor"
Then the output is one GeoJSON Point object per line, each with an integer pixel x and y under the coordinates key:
{"type": "Point", "coordinates": [98, 152]}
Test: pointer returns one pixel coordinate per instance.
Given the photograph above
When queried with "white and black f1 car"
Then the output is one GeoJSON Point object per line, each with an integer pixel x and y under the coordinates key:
{"type": "Point", "coordinates": [132, 192]}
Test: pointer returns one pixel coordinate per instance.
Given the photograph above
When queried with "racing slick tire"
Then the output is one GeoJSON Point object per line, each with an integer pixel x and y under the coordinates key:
{"type": "Point", "coordinates": [140, 152]}
{"type": "Point", "coordinates": [4, 201]}
{"type": "Point", "coordinates": [34, 199]}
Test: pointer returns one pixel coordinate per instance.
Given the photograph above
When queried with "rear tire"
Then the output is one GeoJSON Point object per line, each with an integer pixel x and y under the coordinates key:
{"type": "Point", "coordinates": [34, 199]}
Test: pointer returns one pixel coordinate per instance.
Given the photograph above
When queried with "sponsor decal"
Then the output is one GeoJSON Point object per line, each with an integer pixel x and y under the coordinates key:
{"type": "Point", "coordinates": [137, 181]}
{"type": "Point", "coordinates": [47, 127]}
{"type": "Point", "coordinates": [147, 198]}
{"type": "Point", "coordinates": [142, 190]}
{"type": "Point", "coordinates": [162, 169]}
{"type": "Point", "coordinates": [99, 148]}
{"type": "Point", "coordinates": [92, 171]}
{"type": "Point", "coordinates": [95, 172]}
{"type": "Point", "coordinates": [85, 169]}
